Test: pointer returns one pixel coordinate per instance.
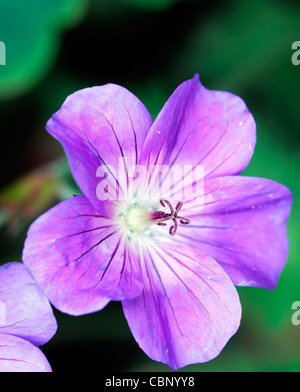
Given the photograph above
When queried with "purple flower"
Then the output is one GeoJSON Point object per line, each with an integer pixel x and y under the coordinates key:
{"type": "Point", "coordinates": [171, 257]}
{"type": "Point", "coordinates": [26, 321]}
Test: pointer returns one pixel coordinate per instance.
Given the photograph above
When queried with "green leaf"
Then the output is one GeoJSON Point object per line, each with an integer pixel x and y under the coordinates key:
{"type": "Point", "coordinates": [31, 31]}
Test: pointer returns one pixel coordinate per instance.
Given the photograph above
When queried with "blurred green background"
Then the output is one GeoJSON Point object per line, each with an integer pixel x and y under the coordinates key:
{"type": "Point", "coordinates": [54, 47]}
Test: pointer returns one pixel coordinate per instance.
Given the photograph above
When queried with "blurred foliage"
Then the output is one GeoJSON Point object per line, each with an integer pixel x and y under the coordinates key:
{"type": "Point", "coordinates": [152, 4]}
{"type": "Point", "coordinates": [150, 47]}
{"type": "Point", "coordinates": [25, 199]}
{"type": "Point", "coordinates": [149, 4]}
{"type": "Point", "coordinates": [30, 30]}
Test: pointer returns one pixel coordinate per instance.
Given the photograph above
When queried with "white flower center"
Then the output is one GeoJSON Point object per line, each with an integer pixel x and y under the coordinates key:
{"type": "Point", "coordinates": [138, 218]}
{"type": "Point", "coordinates": [135, 218]}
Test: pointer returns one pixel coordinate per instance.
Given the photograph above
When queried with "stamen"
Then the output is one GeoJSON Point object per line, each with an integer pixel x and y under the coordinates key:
{"type": "Point", "coordinates": [178, 206]}
{"type": "Point", "coordinates": [173, 215]}
{"type": "Point", "coordinates": [184, 221]}
{"type": "Point", "coordinates": [162, 201]}
{"type": "Point", "coordinates": [173, 229]}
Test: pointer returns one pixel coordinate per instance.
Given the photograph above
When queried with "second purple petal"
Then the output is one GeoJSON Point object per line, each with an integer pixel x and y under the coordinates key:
{"type": "Point", "coordinates": [242, 223]}
{"type": "Point", "coordinates": [80, 258]}
{"type": "Point", "coordinates": [101, 126]}
{"type": "Point", "coordinates": [198, 126]}
{"type": "Point", "coordinates": [26, 312]}
{"type": "Point", "coordinates": [189, 308]}
{"type": "Point", "coordinates": [19, 355]}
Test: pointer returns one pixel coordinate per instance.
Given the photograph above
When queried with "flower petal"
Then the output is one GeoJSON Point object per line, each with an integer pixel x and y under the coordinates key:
{"type": "Point", "coordinates": [242, 225]}
{"type": "Point", "coordinates": [80, 258]}
{"type": "Point", "coordinates": [101, 126]}
{"type": "Point", "coordinates": [25, 310]}
{"type": "Point", "coordinates": [198, 126]}
{"type": "Point", "coordinates": [188, 310]}
{"type": "Point", "coordinates": [18, 355]}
